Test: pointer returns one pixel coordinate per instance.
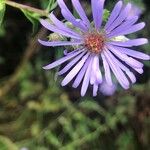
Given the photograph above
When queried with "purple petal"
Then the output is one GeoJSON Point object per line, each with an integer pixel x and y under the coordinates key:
{"type": "Point", "coordinates": [59, 43]}
{"type": "Point", "coordinates": [139, 70]}
{"type": "Point", "coordinates": [131, 76]}
{"type": "Point", "coordinates": [81, 73]}
{"type": "Point", "coordinates": [68, 16]}
{"type": "Point", "coordinates": [95, 89]}
{"type": "Point", "coordinates": [107, 70]}
{"type": "Point", "coordinates": [128, 60]}
{"type": "Point", "coordinates": [134, 53]}
{"type": "Point", "coordinates": [123, 67]}
{"type": "Point", "coordinates": [74, 21]}
{"type": "Point", "coordinates": [96, 69]}
{"type": "Point", "coordinates": [74, 71]}
{"type": "Point", "coordinates": [70, 52]}
{"type": "Point", "coordinates": [132, 29]}
{"type": "Point", "coordinates": [96, 76]}
{"type": "Point", "coordinates": [130, 43]}
{"type": "Point", "coordinates": [62, 26]}
{"type": "Point", "coordinates": [53, 28]}
{"type": "Point", "coordinates": [62, 60]}
{"type": "Point", "coordinates": [71, 63]}
{"type": "Point", "coordinates": [62, 5]}
{"type": "Point", "coordinates": [81, 12]}
{"type": "Point", "coordinates": [122, 16]}
{"type": "Point", "coordinates": [117, 72]}
{"type": "Point", "coordinates": [114, 14]}
{"type": "Point", "coordinates": [125, 25]}
{"type": "Point", "coordinates": [97, 9]}
{"type": "Point", "coordinates": [93, 77]}
{"type": "Point", "coordinates": [86, 79]}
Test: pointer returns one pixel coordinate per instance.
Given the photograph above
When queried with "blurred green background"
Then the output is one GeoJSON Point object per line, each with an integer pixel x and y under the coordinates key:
{"type": "Point", "coordinates": [36, 113]}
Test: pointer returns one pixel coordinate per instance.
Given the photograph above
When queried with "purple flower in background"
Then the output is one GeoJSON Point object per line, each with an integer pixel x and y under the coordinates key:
{"type": "Point", "coordinates": [100, 47]}
{"type": "Point", "coordinates": [107, 89]}
{"type": "Point", "coordinates": [135, 11]}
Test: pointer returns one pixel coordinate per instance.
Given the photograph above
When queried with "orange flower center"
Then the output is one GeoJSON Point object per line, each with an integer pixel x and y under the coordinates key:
{"type": "Point", "coordinates": [94, 42]}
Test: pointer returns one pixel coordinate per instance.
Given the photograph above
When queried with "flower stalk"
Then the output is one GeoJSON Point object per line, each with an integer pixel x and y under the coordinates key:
{"type": "Point", "coordinates": [28, 8]}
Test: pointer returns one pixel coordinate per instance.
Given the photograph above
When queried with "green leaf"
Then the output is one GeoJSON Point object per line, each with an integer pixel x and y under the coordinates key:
{"type": "Point", "coordinates": [106, 15]}
{"type": "Point", "coordinates": [33, 18]}
{"type": "Point", "coordinates": [2, 11]}
{"type": "Point", "coordinates": [2, 60]}
{"type": "Point", "coordinates": [53, 139]}
{"type": "Point", "coordinates": [92, 106]}
{"type": "Point", "coordinates": [48, 5]}
{"type": "Point", "coordinates": [126, 141]}
{"type": "Point", "coordinates": [7, 144]}
{"type": "Point", "coordinates": [2, 31]}
{"type": "Point", "coordinates": [51, 5]}
{"type": "Point", "coordinates": [147, 63]}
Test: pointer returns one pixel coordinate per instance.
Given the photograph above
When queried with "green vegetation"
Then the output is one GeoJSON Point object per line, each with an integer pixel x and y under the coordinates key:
{"type": "Point", "coordinates": [36, 113]}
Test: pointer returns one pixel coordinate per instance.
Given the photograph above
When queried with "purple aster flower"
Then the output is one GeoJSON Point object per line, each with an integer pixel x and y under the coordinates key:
{"type": "Point", "coordinates": [100, 47]}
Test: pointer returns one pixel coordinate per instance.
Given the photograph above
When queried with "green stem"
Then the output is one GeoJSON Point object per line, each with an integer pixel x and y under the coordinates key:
{"type": "Point", "coordinates": [28, 8]}
{"type": "Point", "coordinates": [88, 137]}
